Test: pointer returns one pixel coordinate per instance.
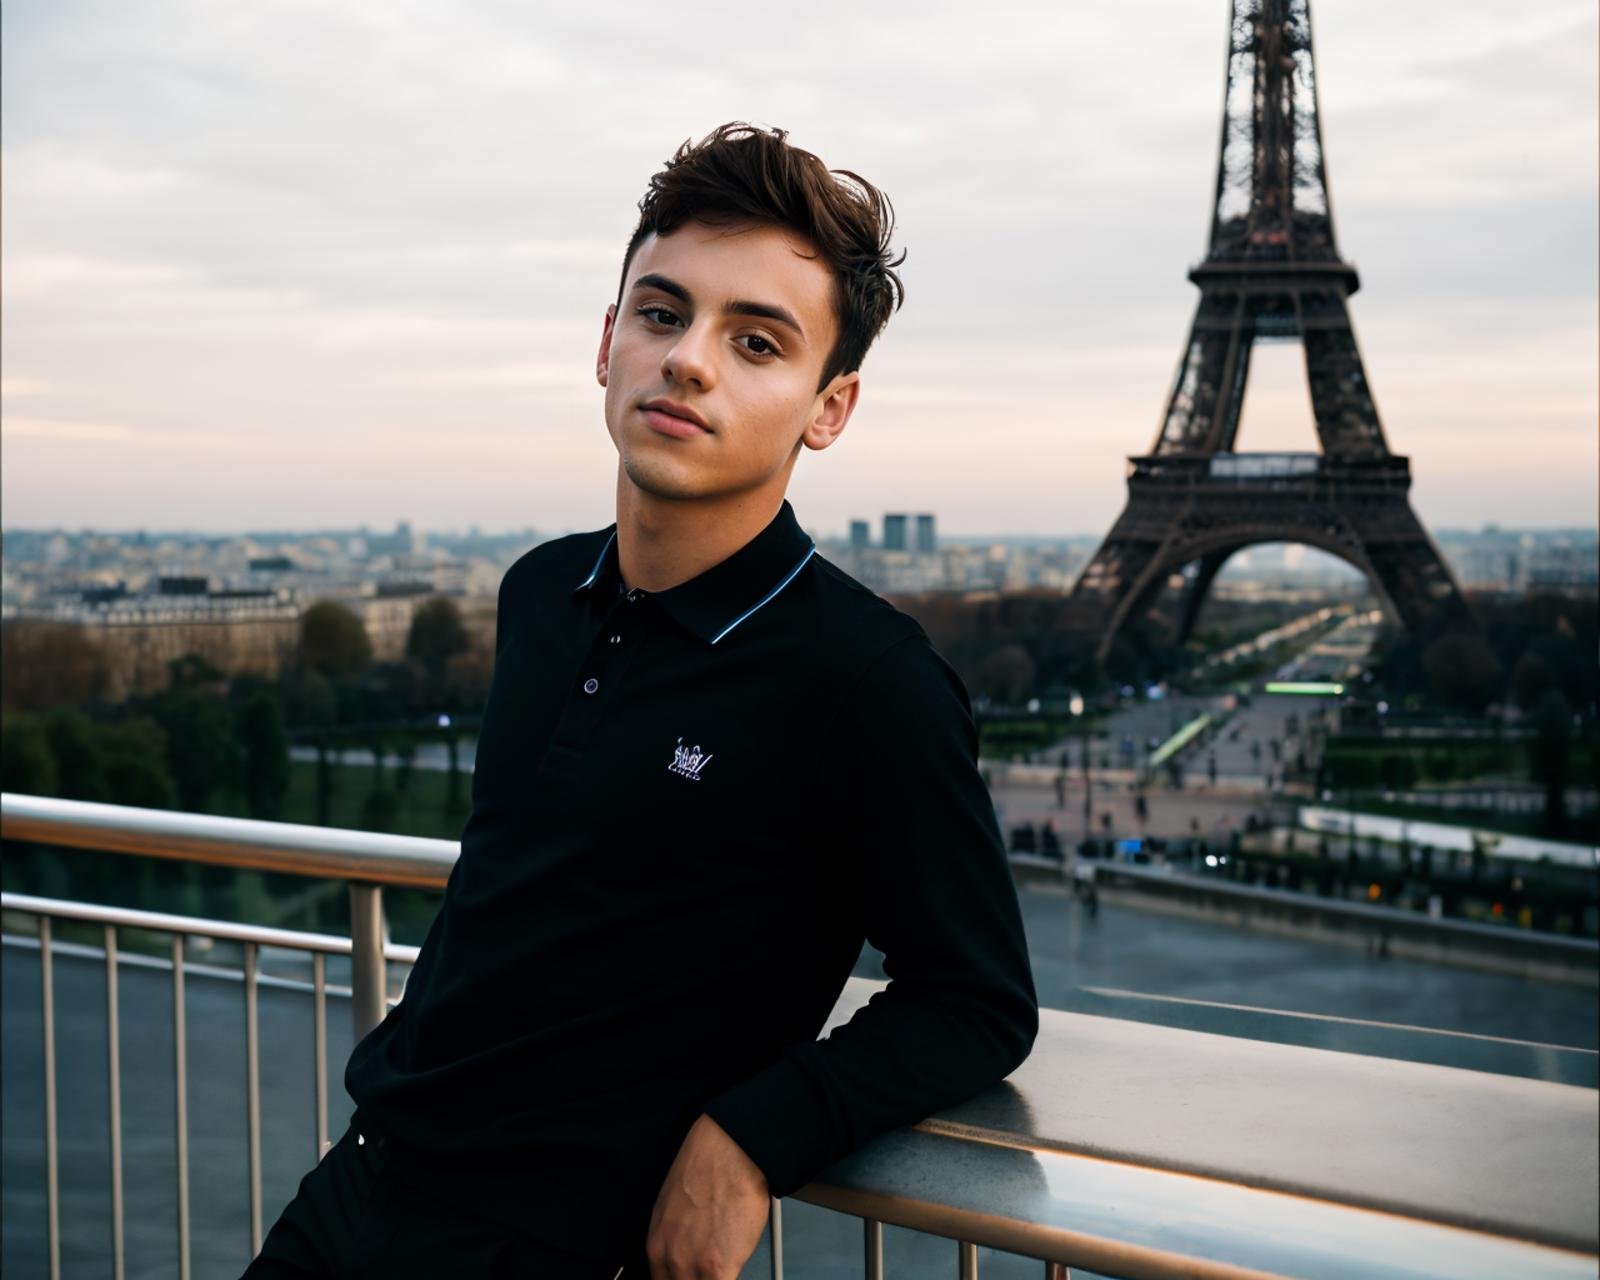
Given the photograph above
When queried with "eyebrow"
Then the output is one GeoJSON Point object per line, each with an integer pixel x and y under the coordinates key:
{"type": "Point", "coordinates": [734, 306]}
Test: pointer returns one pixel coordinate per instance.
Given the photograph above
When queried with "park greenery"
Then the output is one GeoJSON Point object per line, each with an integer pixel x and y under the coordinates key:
{"type": "Point", "coordinates": [211, 743]}
{"type": "Point", "coordinates": [1514, 701]}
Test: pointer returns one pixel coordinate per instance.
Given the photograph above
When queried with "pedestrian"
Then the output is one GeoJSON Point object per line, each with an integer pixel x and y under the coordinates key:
{"type": "Point", "coordinates": [605, 1061]}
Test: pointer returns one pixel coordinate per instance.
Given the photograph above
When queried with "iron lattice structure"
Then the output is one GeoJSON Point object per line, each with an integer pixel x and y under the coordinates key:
{"type": "Point", "coordinates": [1273, 271]}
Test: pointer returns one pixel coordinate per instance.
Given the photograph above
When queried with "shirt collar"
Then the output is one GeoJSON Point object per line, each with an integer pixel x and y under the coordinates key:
{"type": "Point", "coordinates": [715, 602]}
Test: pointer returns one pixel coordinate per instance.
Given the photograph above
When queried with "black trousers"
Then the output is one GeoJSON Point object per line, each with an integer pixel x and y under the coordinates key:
{"type": "Point", "coordinates": [353, 1219]}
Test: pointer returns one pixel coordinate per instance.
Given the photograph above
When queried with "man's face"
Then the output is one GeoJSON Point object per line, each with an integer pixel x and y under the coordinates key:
{"type": "Point", "coordinates": [712, 357]}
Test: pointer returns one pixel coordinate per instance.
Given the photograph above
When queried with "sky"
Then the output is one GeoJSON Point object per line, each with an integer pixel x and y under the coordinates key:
{"type": "Point", "coordinates": [288, 264]}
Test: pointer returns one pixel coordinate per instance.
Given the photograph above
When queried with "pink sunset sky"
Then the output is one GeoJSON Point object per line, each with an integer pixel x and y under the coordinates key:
{"type": "Point", "coordinates": [285, 265]}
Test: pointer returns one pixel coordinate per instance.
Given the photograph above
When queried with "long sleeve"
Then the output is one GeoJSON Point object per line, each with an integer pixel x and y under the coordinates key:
{"type": "Point", "coordinates": [927, 862]}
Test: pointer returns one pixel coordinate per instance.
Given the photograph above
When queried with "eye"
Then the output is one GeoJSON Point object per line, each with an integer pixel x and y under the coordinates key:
{"type": "Point", "coordinates": [758, 345]}
{"type": "Point", "coordinates": [658, 314]}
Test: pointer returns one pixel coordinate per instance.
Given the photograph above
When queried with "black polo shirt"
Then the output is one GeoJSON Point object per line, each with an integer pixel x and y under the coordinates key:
{"type": "Point", "coordinates": [690, 807]}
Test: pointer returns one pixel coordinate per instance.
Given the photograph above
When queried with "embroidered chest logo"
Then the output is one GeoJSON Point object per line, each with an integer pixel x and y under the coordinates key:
{"type": "Point", "coordinates": [688, 761]}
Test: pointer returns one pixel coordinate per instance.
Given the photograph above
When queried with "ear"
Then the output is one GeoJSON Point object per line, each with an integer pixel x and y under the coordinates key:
{"type": "Point", "coordinates": [834, 405]}
{"type": "Point", "coordinates": [602, 360]}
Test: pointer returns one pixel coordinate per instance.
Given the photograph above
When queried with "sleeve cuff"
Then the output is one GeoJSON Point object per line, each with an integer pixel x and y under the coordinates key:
{"type": "Point", "coordinates": [780, 1120]}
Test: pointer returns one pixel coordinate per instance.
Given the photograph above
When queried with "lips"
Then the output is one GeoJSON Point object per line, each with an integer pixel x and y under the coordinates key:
{"type": "Point", "coordinates": [673, 419]}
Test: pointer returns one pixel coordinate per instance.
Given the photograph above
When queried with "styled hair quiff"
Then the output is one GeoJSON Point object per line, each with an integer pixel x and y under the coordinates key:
{"type": "Point", "coordinates": [742, 173]}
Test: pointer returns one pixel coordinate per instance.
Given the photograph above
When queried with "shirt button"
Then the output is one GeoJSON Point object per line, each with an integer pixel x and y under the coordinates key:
{"type": "Point", "coordinates": [616, 639]}
{"type": "Point", "coordinates": [590, 685]}
{"type": "Point", "coordinates": [634, 595]}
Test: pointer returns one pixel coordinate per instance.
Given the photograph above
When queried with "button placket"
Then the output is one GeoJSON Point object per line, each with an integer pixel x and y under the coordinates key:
{"type": "Point", "coordinates": [601, 667]}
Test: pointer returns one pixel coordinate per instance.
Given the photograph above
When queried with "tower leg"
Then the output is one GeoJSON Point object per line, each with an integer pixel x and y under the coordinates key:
{"type": "Point", "coordinates": [1199, 587]}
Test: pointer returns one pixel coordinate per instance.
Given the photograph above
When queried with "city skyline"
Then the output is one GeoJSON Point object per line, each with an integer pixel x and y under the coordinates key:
{"type": "Point", "coordinates": [243, 291]}
{"type": "Point", "coordinates": [453, 531]}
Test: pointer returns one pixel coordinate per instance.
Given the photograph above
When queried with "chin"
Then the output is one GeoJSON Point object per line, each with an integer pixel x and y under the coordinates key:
{"type": "Point", "coordinates": [665, 482]}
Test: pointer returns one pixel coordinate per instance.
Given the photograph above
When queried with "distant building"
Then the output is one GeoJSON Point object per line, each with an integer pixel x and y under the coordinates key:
{"type": "Point", "coordinates": [1563, 568]}
{"type": "Point", "coordinates": [173, 584]}
{"type": "Point", "coordinates": [404, 541]}
{"type": "Point", "coordinates": [927, 542]}
{"type": "Point", "coordinates": [894, 532]}
{"type": "Point", "coordinates": [860, 535]}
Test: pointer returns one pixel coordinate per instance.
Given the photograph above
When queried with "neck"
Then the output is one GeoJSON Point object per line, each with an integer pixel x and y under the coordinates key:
{"type": "Point", "coordinates": [662, 542]}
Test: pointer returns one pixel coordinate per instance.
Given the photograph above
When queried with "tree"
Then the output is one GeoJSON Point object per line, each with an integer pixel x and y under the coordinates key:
{"type": "Point", "coordinates": [1006, 674]}
{"type": "Point", "coordinates": [80, 763]}
{"type": "Point", "coordinates": [467, 678]}
{"type": "Point", "coordinates": [1397, 771]}
{"type": "Point", "coordinates": [265, 746]}
{"type": "Point", "coordinates": [134, 756]}
{"type": "Point", "coordinates": [437, 634]}
{"type": "Point", "coordinates": [406, 753]}
{"type": "Point", "coordinates": [379, 809]}
{"type": "Point", "coordinates": [50, 664]}
{"type": "Point", "coordinates": [202, 751]}
{"type": "Point", "coordinates": [1531, 678]}
{"type": "Point", "coordinates": [1462, 672]}
{"type": "Point", "coordinates": [393, 691]}
{"type": "Point", "coordinates": [1551, 747]}
{"type": "Point", "coordinates": [193, 671]}
{"type": "Point", "coordinates": [309, 701]}
{"type": "Point", "coordinates": [437, 638]}
{"type": "Point", "coordinates": [26, 765]}
{"type": "Point", "coordinates": [333, 640]}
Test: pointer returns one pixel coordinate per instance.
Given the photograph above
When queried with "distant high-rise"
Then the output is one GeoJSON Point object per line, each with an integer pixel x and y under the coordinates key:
{"type": "Point", "coordinates": [894, 532]}
{"type": "Point", "coordinates": [860, 535]}
{"type": "Point", "coordinates": [927, 541]}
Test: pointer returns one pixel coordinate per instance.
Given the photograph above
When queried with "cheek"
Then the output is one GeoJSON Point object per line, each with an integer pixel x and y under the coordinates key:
{"type": "Point", "coordinates": [780, 408]}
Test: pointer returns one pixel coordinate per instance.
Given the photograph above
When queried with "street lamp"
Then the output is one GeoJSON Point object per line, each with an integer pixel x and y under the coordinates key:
{"type": "Point", "coordinates": [1075, 709]}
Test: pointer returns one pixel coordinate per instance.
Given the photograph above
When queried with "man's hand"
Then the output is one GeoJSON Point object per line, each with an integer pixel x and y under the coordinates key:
{"type": "Point", "coordinates": [710, 1211]}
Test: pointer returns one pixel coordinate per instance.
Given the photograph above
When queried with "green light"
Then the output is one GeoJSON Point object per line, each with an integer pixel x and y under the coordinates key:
{"type": "Point", "coordinates": [1178, 741]}
{"type": "Point", "coordinates": [1319, 688]}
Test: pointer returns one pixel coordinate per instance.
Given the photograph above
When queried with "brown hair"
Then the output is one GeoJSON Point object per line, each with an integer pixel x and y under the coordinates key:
{"type": "Point", "coordinates": [739, 172]}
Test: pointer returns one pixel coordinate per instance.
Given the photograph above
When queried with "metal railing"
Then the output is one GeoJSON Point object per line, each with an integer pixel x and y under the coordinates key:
{"type": "Point", "coordinates": [253, 937]}
{"type": "Point", "coordinates": [998, 1172]}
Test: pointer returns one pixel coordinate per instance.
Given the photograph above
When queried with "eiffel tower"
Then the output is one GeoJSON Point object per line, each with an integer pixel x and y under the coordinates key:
{"type": "Point", "coordinates": [1272, 271]}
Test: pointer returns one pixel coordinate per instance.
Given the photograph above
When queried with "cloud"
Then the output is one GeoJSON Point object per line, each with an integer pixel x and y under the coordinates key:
{"type": "Point", "coordinates": [53, 429]}
{"type": "Point", "coordinates": [16, 388]}
{"type": "Point", "coordinates": [354, 239]}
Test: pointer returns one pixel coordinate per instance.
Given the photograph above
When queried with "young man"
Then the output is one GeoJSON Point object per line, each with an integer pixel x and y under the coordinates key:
{"type": "Point", "coordinates": [711, 764]}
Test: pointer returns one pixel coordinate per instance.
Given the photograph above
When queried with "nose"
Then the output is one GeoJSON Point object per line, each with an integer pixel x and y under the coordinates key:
{"type": "Point", "coordinates": [690, 360]}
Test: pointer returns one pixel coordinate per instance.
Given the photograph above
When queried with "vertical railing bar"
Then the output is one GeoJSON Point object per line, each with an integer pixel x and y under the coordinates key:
{"type": "Point", "coordinates": [872, 1239]}
{"type": "Point", "coordinates": [114, 1084]}
{"type": "Point", "coordinates": [52, 1195]}
{"type": "Point", "coordinates": [180, 1064]}
{"type": "Point", "coordinates": [253, 1093]}
{"type": "Point", "coordinates": [319, 1037]}
{"type": "Point", "coordinates": [1057, 1271]}
{"type": "Point", "coordinates": [968, 1257]}
{"type": "Point", "coordinates": [775, 1222]}
{"type": "Point", "coordinates": [369, 984]}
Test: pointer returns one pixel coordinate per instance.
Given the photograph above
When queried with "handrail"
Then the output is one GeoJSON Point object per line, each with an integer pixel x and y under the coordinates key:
{"type": "Point", "coordinates": [1128, 1148]}
{"type": "Point", "coordinates": [244, 843]}
{"type": "Point", "coordinates": [367, 861]}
